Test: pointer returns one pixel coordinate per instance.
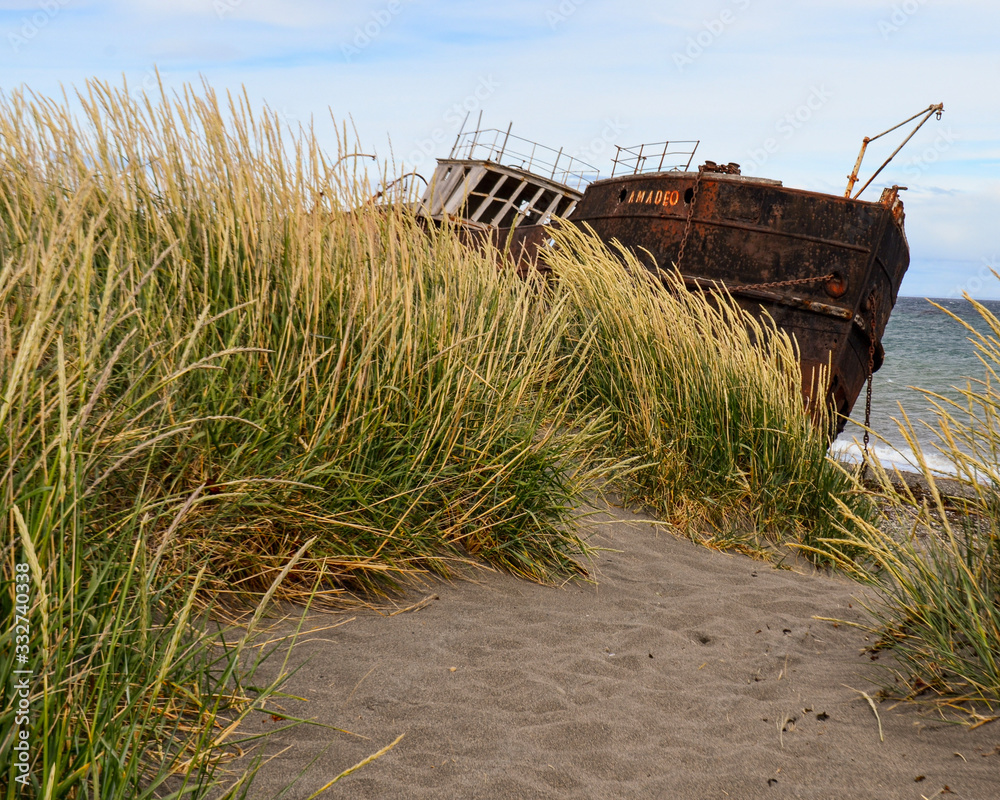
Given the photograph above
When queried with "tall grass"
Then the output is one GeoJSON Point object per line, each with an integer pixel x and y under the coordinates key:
{"type": "Point", "coordinates": [215, 361]}
{"type": "Point", "coordinates": [938, 576]}
{"type": "Point", "coordinates": [705, 397]}
{"type": "Point", "coordinates": [127, 690]}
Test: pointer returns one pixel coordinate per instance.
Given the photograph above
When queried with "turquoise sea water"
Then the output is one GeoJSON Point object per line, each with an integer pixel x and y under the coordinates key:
{"type": "Point", "coordinates": [925, 348]}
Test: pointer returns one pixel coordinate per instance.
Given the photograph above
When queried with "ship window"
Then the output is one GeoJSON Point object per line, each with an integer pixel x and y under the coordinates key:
{"type": "Point", "coordinates": [622, 195]}
{"type": "Point", "coordinates": [488, 182]}
{"type": "Point", "coordinates": [688, 195]}
{"type": "Point", "coordinates": [508, 218]}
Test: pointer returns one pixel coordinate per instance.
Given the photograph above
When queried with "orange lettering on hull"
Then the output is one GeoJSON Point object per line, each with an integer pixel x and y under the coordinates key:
{"type": "Point", "coordinates": [658, 198]}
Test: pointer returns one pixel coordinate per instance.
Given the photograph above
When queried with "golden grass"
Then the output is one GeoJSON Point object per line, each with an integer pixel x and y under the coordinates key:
{"type": "Point", "coordinates": [938, 579]}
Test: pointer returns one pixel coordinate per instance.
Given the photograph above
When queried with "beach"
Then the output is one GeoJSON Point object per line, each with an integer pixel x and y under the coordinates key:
{"type": "Point", "coordinates": [675, 671]}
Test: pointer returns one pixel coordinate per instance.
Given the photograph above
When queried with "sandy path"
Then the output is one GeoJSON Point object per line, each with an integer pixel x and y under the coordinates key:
{"type": "Point", "coordinates": [684, 673]}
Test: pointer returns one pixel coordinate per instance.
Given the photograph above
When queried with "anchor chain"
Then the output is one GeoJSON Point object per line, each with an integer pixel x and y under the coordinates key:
{"type": "Point", "coordinates": [709, 167]}
{"type": "Point", "coordinates": [690, 216]}
{"type": "Point", "coordinates": [874, 301]}
{"type": "Point", "coordinates": [781, 284]}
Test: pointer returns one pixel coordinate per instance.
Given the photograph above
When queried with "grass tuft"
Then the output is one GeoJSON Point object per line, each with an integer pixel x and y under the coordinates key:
{"type": "Point", "coordinates": [704, 398]}
{"type": "Point", "coordinates": [935, 559]}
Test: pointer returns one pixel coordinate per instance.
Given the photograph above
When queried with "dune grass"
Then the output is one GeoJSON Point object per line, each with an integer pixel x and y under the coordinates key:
{"type": "Point", "coordinates": [211, 366]}
{"type": "Point", "coordinates": [227, 376]}
{"type": "Point", "coordinates": [938, 575]}
{"type": "Point", "coordinates": [126, 689]}
{"type": "Point", "coordinates": [705, 399]}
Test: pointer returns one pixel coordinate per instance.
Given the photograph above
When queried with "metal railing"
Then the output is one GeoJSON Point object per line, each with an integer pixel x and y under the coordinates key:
{"type": "Point", "coordinates": [658, 157]}
{"type": "Point", "coordinates": [500, 147]}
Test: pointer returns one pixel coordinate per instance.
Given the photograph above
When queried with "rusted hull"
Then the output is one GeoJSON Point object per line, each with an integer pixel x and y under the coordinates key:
{"type": "Point", "coordinates": [523, 243]}
{"type": "Point", "coordinates": [517, 246]}
{"type": "Point", "coordinates": [827, 269]}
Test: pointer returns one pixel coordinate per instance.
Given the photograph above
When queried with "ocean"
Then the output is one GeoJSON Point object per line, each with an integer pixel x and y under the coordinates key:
{"type": "Point", "coordinates": [923, 348]}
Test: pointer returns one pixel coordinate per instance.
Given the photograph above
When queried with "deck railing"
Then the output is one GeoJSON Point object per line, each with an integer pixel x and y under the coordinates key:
{"type": "Point", "coordinates": [658, 157]}
{"type": "Point", "coordinates": [501, 147]}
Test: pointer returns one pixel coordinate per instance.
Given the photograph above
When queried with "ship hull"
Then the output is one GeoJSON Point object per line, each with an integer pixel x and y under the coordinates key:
{"type": "Point", "coordinates": [826, 269]}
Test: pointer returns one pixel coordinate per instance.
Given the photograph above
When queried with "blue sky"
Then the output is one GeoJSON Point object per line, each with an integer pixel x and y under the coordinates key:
{"type": "Point", "coordinates": [787, 89]}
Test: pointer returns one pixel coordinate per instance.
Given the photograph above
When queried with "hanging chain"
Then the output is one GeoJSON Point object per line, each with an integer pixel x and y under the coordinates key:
{"type": "Point", "coordinates": [779, 284]}
{"type": "Point", "coordinates": [688, 224]}
{"type": "Point", "coordinates": [874, 300]}
{"type": "Point", "coordinates": [690, 217]}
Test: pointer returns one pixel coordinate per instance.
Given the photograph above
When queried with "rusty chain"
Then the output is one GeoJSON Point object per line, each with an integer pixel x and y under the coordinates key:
{"type": "Point", "coordinates": [687, 232]}
{"type": "Point", "coordinates": [874, 301]}
{"type": "Point", "coordinates": [780, 284]}
{"type": "Point", "coordinates": [690, 216]}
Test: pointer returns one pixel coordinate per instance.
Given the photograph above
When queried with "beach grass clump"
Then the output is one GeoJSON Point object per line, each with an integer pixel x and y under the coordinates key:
{"type": "Point", "coordinates": [118, 688]}
{"type": "Point", "coordinates": [704, 398]}
{"type": "Point", "coordinates": [316, 365]}
{"type": "Point", "coordinates": [938, 576]}
{"type": "Point", "coordinates": [226, 374]}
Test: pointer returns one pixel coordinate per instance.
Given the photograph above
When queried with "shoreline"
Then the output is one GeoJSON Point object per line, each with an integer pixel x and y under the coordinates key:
{"type": "Point", "coordinates": [916, 483]}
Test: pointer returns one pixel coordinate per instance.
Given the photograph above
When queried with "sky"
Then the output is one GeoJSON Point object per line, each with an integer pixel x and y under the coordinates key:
{"type": "Point", "coordinates": [786, 88]}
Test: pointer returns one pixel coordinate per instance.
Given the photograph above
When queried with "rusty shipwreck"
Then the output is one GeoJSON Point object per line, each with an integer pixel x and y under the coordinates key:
{"type": "Point", "coordinates": [826, 268]}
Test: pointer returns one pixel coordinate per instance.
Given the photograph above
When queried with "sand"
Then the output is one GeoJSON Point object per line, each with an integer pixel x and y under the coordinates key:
{"type": "Point", "coordinates": [681, 673]}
